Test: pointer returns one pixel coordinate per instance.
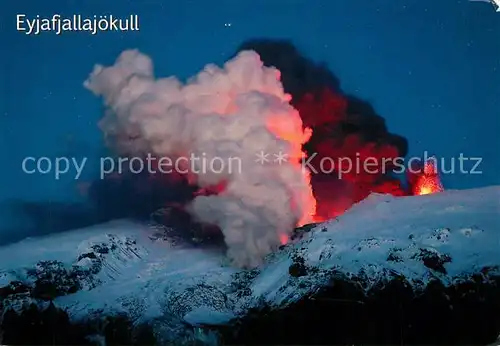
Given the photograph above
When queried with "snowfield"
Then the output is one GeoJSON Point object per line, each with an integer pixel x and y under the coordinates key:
{"type": "Point", "coordinates": [133, 268]}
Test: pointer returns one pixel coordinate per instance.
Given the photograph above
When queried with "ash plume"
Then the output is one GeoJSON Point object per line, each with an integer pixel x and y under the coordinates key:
{"type": "Point", "coordinates": [232, 112]}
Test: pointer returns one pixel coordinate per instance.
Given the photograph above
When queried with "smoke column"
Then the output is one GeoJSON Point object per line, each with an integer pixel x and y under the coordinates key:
{"type": "Point", "coordinates": [232, 112]}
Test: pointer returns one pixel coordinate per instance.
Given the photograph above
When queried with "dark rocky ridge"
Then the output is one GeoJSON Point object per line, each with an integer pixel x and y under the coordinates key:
{"type": "Point", "coordinates": [50, 279]}
{"type": "Point", "coordinates": [52, 326]}
{"type": "Point", "coordinates": [391, 313]}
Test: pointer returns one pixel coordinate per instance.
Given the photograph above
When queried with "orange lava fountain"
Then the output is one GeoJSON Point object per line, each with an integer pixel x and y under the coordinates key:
{"type": "Point", "coordinates": [428, 182]}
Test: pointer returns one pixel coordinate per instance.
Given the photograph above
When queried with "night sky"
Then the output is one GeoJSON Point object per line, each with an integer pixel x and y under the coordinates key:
{"type": "Point", "coordinates": [431, 68]}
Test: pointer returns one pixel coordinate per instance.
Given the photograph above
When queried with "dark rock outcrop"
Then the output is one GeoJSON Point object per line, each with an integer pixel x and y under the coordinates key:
{"type": "Point", "coordinates": [52, 326]}
{"type": "Point", "coordinates": [392, 312]}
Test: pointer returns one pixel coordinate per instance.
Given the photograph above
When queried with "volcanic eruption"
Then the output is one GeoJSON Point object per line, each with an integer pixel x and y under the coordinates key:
{"type": "Point", "coordinates": [229, 116]}
{"type": "Point", "coordinates": [424, 180]}
{"type": "Point", "coordinates": [305, 150]}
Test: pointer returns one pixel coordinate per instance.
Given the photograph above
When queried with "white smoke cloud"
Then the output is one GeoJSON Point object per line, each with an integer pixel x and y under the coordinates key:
{"type": "Point", "coordinates": [232, 112]}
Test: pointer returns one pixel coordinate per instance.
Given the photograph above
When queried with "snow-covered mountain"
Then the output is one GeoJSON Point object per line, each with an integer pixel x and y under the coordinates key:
{"type": "Point", "coordinates": [138, 269]}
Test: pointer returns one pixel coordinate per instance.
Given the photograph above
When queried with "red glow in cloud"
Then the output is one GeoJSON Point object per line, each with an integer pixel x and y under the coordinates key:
{"type": "Point", "coordinates": [352, 165]}
{"type": "Point", "coordinates": [353, 160]}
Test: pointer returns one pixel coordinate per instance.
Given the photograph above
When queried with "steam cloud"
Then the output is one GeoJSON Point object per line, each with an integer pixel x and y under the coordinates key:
{"type": "Point", "coordinates": [232, 112]}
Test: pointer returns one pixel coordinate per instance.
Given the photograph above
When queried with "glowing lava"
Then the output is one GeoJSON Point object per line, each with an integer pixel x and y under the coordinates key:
{"type": "Point", "coordinates": [428, 182]}
{"type": "Point", "coordinates": [283, 239]}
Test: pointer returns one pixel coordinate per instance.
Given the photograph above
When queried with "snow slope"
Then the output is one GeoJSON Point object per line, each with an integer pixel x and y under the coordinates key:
{"type": "Point", "coordinates": [123, 266]}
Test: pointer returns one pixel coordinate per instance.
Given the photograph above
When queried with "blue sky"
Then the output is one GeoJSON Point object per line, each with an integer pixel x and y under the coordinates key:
{"type": "Point", "coordinates": [431, 68]}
